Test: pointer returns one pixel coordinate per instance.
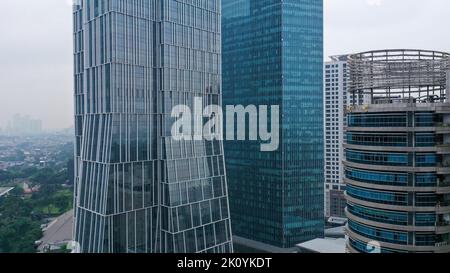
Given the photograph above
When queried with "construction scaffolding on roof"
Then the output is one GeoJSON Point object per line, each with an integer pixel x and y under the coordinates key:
{"type": "Point", "coordinates": [404, 75]}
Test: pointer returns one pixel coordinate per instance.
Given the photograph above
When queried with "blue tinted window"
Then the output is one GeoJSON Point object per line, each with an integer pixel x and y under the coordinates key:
{"type": "Point", "coordinates": [389, 217]}
{"type": "Point", "coordinates": [424, 119]}
{"type": "Point", "coordinates": [425, 239]}
{"type": "Point", "coordinates": [425, 219]}
{"type": "Point", "coordinates": [425, 140]}
{"type": "Point", "coordinates": [399, 140]}
{"type": "Point", "coordinates": [389, 159]}
{"type": "Point", "coordinates": [426, 199]}
{"type": "Point", "coordinates": [390, 198]}
{"type": "Point", "coordinates": [426, 160]}
{"type": "Point", "coordinates": [365, 248]}
{"type": "Point", "coordinates": [378, 120]}
{"type": "Point", "coordinates": [426, 179]}
{"type": "Point", "coordinates": [373, 177]}
{"type": "Point", "coordinates": [379, 234]}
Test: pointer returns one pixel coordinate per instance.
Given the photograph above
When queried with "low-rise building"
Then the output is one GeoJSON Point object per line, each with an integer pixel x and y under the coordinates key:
{"type": "Point", "coordinates": [5, 191]}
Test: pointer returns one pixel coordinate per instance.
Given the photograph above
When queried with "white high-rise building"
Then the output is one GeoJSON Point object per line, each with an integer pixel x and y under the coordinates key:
{"type": "Point", "coordinates": [336, 100]}
{"type": "Point", "coordinates": [335, 104]}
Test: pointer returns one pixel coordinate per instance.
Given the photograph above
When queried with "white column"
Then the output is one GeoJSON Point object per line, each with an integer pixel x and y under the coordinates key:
{"type": "Point", "coordinates": [448, 87]}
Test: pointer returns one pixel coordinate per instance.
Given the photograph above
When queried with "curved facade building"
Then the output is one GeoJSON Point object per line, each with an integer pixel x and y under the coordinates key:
{"type": "Point", "coordinates": [397, 165]}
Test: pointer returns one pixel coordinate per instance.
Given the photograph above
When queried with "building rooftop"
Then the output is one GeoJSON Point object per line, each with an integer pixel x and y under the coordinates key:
{"type": "Point", "coordinates": [258, 247]}
{"type": "Point", "coordinates": [336, 232]}
{"type": "Point", "coordinates": [5, 191]}
{"type": "Point", "coordinates": [337, 221]}
{"type": "Point", "coordinates": [339, 58]}
{"type": "Point", "coordinates": [327, 245]}
{"type": "Point", "coordinates": [58, 232]}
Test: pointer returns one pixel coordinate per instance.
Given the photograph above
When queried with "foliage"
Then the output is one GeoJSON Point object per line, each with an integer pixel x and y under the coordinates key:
{"type": "Point", "coordinates": [35, 175]}
{"type": "Point", "coordinates": [21, 218]}
{"type": "Point", "coordinates": [49, 176]}
{"type": "Point", "coordinates": [18, 231]}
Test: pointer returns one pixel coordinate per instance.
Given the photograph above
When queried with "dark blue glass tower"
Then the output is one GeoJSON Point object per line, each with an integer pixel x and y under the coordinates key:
{"type": "Point", "coordinates": [273, 55]}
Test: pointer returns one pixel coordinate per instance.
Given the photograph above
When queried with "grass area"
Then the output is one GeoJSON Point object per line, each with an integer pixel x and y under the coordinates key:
{"type": "Point", "coordinates": [64, 193]}
{"type": "Point", "coordinates": [59, 203]}
{"type": "Point", "coordinates": [50, 210]}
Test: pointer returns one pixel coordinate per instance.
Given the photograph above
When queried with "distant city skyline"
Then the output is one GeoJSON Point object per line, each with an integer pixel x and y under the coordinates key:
{"type": "Point", "coordinates": [36, 67]}
{"type": "Point", "coordinates": [24, 125]}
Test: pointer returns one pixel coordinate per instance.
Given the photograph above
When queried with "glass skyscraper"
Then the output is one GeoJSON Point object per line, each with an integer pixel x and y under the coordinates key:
{"type": "Point", "coordinates": [273, 55]}
{"type": "Point", "coordinates": [138, 190]}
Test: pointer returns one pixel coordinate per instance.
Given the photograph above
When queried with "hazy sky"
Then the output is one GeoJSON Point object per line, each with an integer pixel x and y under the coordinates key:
{"type": "Point", "coordinates": [36, 46]}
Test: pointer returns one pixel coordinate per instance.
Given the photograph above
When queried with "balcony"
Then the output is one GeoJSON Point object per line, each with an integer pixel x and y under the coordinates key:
{"type": "Point", "coordinates": [442, 227]}
{"type": "Point", "coordinates": [442, 244]}
{"type": "Point", "coordinates": [442, 125]}
{"type": "Point", "coordinates": [443, 207]}
{"type": "Point", "coordinates": [442, 223]}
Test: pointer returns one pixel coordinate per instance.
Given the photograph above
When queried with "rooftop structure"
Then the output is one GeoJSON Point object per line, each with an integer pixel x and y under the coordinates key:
{"type": "Point", "coordinates": [327, 245]}
{"type": "Point", "coordinates": [390, 76]}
